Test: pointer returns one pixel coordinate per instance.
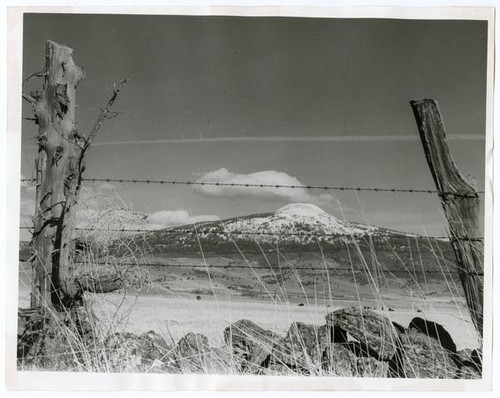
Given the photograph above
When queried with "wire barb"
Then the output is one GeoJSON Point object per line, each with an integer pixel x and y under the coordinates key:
{"type": "Point", "coordinates": [277, 186]}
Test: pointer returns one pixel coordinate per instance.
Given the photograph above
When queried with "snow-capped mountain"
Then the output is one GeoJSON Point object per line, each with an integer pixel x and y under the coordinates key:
{"type": "Point", "coordinates": [294, 224]}
{"type": "Point", "coordinates": [304, 235]}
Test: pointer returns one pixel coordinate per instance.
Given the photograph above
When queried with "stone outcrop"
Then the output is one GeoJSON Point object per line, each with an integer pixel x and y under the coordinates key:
{"type": "Point", "coordinates": [374, 332]}
{"type": "Point", "coordinates": [302, 348]}
{"type": "Point", "coordinates": [434, 330]}
{"type": "Point", "coordinates": [423, 357]}
{"type": "Point", "coordinates": [128, 352]}
{"type": "Point", "coordinates": [251, 344]}
{"type": "Point", "coordinates": [339, 360]}
{"type": "Point", "coordinates": [193, 354]}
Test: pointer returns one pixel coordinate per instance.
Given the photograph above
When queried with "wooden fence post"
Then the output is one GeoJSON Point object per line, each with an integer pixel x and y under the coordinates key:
{"type": "Point", "coordinates": [59, 168]}
{"type": "Point", "coordinates": [460, 202]}
{"type": "Point", "coordinates": [57, 172]}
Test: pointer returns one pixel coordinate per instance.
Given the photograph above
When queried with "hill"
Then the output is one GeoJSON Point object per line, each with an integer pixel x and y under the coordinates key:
{"type": "Point", "coordinates": [300, 246]}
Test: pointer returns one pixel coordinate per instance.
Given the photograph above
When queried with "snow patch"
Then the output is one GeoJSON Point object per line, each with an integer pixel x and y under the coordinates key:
{"type": "Point", "coordinates": [295, 222]}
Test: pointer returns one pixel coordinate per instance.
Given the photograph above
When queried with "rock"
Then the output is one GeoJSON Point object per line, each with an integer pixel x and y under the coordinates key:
{"type": "Point", "coordinates": [434, 330]}
{"type": "Point", "coordinates": [155, 339]}
{"type": "Point", "coordinates": [124, 352]}
{"type": "Point", "coordinates": [154, 346]}
{"type": "Point", "coordinates": [191, 353]}
{"type": "Point", "coordinates": [468, 372]}
{"type": "Point", "coordinates": [344, 360]}
{"type": "Point", "coordinates": [57, 341]}
{"type": "Point", "coordinates": [302, 348]}
{"type": "Point", "coordinates": [277, 369]}
{"type": "Point", "coordinates": [370, 367]}
{"type": "Point", "coordinates": [399, 328]}
{"type": "Point", "coordinates": [358, 349]}
{"type": "Point", "coordinates": [372, 330]}
{"type": "Point", "coordinates": [470, 364]}
{"type": "Point", "coordinates": [252, 344]}
{"type": "Point", "coordinates": [423, 357]}
{"type": "Point", "coordinates": [476, 357]}
{"type": "Point", "coordinates": [336, 334]}
{"type": "Point", "coordinates": [337, 360]}
{"type": "Point", "coordinates": [221, 360]}
{"type": "Point", "coordinates": [396, 365]}
{"type": "Point", "coordinates": [128, 352]}
{"type": "Point", "coordinates": [192, 344]}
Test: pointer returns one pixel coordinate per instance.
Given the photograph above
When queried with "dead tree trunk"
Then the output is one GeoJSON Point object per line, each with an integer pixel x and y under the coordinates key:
{"type": "Point", "coordinates": [59, 168]}
{"type": "Point", "coordinates": [460, 202]}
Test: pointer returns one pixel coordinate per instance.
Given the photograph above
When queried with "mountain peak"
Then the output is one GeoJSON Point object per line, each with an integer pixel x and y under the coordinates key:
{"type": "Point", "coordinates": [302, 209]}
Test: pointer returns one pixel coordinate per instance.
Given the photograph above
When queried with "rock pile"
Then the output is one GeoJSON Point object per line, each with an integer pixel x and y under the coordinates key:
{"type": "Point", "coordinates": [353, 342]}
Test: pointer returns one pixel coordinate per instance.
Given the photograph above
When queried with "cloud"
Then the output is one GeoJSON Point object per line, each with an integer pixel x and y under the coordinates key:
{"type": "Point", "coordinates": [267, 177]}
{"type": "Point", "coordinates": [172, 218]}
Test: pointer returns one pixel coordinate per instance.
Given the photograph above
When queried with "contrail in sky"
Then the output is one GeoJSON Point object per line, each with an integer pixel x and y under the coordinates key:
{"type": "Point", "coordinates": [349, 138]}
{"type": "Point", "coordinates": [305, 139]}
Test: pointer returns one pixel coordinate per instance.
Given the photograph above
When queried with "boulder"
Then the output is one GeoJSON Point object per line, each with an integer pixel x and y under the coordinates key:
{"type": "Point", "coordinates": [251, 344]}
{"type": "Point", "coordinates": [422, 356]}
{"type": "Point", "coordinates": [434, 330]}
{"type": "Point", "coordinates": [192, 344]}
{"type": "Point", "coordinates": [221, 361]}
{"type": "Point", "coordinates": [302, 348]}
{"type": "Point", "coordinates": [468, 372]}
{"type": "Point", "coordinates": [128, 352]}
{"type": "Point", "coordinates": [470, 364]}
{"type": "Point", "coordinates": [359, 349]}
{"type": "Point", "coordinates": [341, 359]}
{"type": "Point", "coordinates": [191, 353]}
{"type": "Point", "coordinates": [471, 358]}
{"type": "Point", "coordinates": [370, 367]}
{"type": "Point", "coordinates": [399, 328]}
{"type": "Point", "coordinates": [373, 331]}
{"type": "Point", "coordinates": [337, 360]}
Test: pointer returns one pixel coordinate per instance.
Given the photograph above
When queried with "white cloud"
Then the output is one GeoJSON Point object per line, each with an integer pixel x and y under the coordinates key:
{"type": "Point", "coordinates": [267, 177]}
{"type": "Point", "coordinates": [172, 218]}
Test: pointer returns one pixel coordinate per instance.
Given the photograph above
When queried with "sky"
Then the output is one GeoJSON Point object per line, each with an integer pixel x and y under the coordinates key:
{"type": "Point", "coordinates": [269, 100]}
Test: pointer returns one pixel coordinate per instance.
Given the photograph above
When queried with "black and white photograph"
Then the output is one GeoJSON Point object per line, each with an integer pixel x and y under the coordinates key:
{"type": "Point", "coordinates": [247, 193]}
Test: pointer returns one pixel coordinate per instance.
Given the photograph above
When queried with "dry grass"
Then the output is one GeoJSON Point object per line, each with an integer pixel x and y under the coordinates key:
{"type": "Point", "coordinates": [173, 310]}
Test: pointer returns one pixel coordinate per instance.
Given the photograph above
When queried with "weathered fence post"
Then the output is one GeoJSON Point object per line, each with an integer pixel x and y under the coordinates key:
{"type": "Point", "coordinates": [460, 202]}
{"type": "Point", "coordinates": [57, 172]}
{"type": "Point", "coordinates": [59, 168]}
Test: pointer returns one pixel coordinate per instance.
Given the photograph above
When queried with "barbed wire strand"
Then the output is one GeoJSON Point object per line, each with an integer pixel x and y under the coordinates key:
{"type": "Point", "coordinates": [277, 186]}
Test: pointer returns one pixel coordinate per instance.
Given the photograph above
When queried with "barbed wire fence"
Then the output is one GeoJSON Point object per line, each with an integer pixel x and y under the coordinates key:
{"type": "Point", "coordinates": [276, 186]}
{"type": "Point", "coordinates": [301, 234]}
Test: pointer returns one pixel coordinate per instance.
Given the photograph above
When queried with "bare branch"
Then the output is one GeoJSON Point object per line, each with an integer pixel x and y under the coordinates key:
{"type": "Point", "coordinates": [29, 98]}
{"type": "Point", "coordinates": [42, 73]}
{"type": "Point", "coordinates": [106, 113]}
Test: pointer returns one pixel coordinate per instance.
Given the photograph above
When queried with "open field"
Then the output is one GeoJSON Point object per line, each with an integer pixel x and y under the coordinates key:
{"type": "Point", "coordinates": [174, 316]}
{"type": "Point", "coordinates": [175, 312]}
